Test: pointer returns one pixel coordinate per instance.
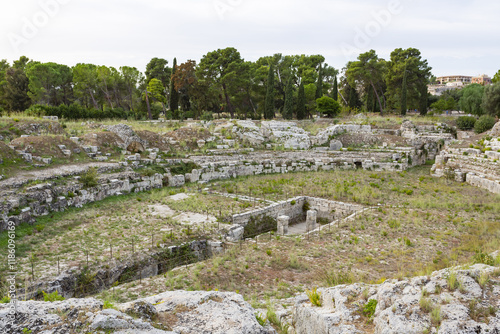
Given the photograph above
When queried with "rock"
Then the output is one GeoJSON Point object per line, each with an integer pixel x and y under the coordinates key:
{"type": "Point", "coordinates": [131, 141]}
{"type": "Point", "coordinates": [193, 312]}
{"type": "Point", "coordinates": [335, 145]}
{"type": "Point", "coordinates": [495, 131]}
{"type": "Point", "coordinates": [235, 233]}
{"type": "Point", "coordinates": [286, 134]}
{"type": "Point", "coordinates": [248, 132]}
{"type": "Point", "coordinates": [398, 306]}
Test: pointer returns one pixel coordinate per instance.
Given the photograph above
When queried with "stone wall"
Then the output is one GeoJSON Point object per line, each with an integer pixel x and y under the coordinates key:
{"type": "Point", "coordinates": [41, 199]}
{"type": "Point", "coordinates": [294, 211]}
{"type": "Point", "coordinates": [327, 209]}
{"type": "Point", "coordinates": [138, 266]}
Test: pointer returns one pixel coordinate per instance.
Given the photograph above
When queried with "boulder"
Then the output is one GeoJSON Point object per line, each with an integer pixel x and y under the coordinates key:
{"type": "Point", "coordinates": [235, 233]}
{"type": "Point", "coordinates": [335, 145]}
{"type": "Point", "coordinates": [286, 134]}
{"type": "Point", "coordinates": [131, 141]}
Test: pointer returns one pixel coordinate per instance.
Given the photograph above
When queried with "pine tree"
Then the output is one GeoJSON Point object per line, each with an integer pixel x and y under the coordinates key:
{"type": "Point", "coordinates": [174, 95]}
{"type": "Point", "coordinates": [335, 92]}
{"type": "Point", "coordinates": [301, 102]}
{"type": "Point", "coordinates": [288, 109]}
{"type": "Point", "coordinates": [403, 94]}
{"type": "Point", "coordinates": [269, 107]}
{"type": "Point", "coordinates": [319, 83]}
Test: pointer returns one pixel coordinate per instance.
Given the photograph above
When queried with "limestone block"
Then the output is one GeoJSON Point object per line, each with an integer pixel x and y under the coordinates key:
{"type": "Point", "coordinates": [335, 145]}
{"type": "Point", "coordinates": [283, 222]}
{"type": "Point", "coordinates": [311, 220]}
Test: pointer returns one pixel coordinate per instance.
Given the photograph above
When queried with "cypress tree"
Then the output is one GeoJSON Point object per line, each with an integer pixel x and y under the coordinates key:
{"type": "Point", "coordinates": [269, 111]}
{"type": "Point", "coordinates": [335, 93]}
{"type": "Point", "coordinates": [319, 83]}
{"type": "Point", "coordinates": [403, 94]}
{"type": "Point", "coordinates": [301, 102]}
{"type": "Point", "coordinates": [174, 95]}
{"type": "Point", "coordinates": [288, 109]}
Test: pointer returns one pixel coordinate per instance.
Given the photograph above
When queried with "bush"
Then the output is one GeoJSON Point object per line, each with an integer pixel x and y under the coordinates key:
{"type": "Point", "coordinates": [466, 122]}
{"type": "Point", "coordinates": [314, 297]}
{"type": "Point", "coordinates": [369, 308]}
{"type": "Point", "coordinates": [484, 123]}
{"type": "Point", "coordinates": [52, 297]}
{"type": "Point", "coordinates": [327, 105]}
{"type": "Point", "coordinates": [89, 178]}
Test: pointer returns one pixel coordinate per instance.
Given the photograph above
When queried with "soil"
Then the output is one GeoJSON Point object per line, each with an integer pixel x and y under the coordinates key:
{"type": "Point", "coordinates": [189, 135]}
{"type": "Point", "coordinates": [12, 129]}
{"type": "Point", "coordinates": [106, 141]}
{"type": "Point", "coordinates": [44, 146]}
{"type": "Point", "coordinates": [154, 140]}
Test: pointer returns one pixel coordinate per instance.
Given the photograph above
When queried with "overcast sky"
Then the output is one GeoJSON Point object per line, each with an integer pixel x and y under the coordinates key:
{"type": "Point", "coordinates": [456, 37]}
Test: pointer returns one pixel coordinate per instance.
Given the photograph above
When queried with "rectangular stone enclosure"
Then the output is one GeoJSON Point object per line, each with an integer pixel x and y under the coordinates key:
{"type": "Point", "coordinates": [297, 210]}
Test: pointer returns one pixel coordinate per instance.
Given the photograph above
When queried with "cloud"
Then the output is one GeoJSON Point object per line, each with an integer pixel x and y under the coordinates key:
{"type": "Point", "coordinates": [451, 34]}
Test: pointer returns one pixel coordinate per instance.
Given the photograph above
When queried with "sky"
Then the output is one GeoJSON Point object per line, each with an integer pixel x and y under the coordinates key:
{"type": "Point", "coordinates": [459, 37]}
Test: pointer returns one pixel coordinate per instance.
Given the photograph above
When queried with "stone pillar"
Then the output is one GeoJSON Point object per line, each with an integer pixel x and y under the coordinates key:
{"type": "Point", "coordinates": [311, 220]}
{"type": "Point", "coordinates": [283, 225]}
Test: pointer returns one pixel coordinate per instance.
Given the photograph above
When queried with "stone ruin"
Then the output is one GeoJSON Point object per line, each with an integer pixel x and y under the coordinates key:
{"type": "Point", "coordinates": [302, 210]}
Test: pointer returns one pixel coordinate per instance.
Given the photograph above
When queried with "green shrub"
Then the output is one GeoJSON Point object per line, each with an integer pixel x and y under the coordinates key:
{"type": "Point", "coordinates": [466, 122]}
{"type": "Point", "coordinates": [481, 257]}
{"type": "Point", "coordinates": [369, 308]}
{"type": "Point", "coordinates": [484, 123]}
{"type": "Point", "coordinates": [52, 297]}
{"type": "Point", "coordinates": [260, 319]}
{"type": "Point", "coordinates": [89, 178]}
{"type": "Point", "coordinates": [5, 300]}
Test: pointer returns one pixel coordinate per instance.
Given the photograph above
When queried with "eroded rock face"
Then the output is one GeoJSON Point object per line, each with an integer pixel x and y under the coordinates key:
{"type": "Point", "coordinates": [249, 132]}
{"type": "Point", "coordinates": [399, 305]}
{"type": "Point", "coordinates": [171, 312]}
{"type": "Point", "coordinates": [131, 141]}
{"type": "Point", "coordinates": [204, 312]}
{"type": "Point", "coordinates": [287, 134]}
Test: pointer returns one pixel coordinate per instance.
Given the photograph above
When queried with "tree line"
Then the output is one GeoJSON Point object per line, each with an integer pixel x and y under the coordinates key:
{"type": "Point", "coordinates": [293, 86]}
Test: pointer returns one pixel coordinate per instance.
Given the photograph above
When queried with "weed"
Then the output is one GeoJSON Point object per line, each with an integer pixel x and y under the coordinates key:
{"type": "Point", "coordinates": [314, 297]}
{"type": "Point", "coordinates": [369, 308]}
{"type": "Point", "coordinates": [52, 297]}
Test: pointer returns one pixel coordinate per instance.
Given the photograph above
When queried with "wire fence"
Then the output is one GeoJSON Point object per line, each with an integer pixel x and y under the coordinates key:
{"type": "Point", "coordinates": [90, 274]}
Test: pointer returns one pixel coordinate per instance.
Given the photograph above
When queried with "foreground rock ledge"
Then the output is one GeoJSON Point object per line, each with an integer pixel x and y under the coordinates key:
{"type": "Point", "coordinates": [170, 312]}
{"type": "Point", "coordinates": [467, 308]}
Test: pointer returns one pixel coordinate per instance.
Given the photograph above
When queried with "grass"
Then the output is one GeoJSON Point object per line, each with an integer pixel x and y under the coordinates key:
{"type": "Point", "coordinates": [446, 228]}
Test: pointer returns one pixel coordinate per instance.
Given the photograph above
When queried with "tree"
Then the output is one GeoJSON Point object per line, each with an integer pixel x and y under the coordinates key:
{"type": "Point", "coordinates": [85, 84]}
{"type": "Point", "coordinates": [156, 91]}
{"type": "Point", "coordinates": [157, 69]}
{"type": "Point", "coordinates": [222, 68]}
{"type": "Point", "coordinates": [472, 98]}
{"type": "Point", "coordinates": [404, 93]}
{"type": "Point", "coordinates": [335, 90]}
{"type": "Point", "coordinates": [183, 80]}
{"type": "Point", "coordinates": [4, 66]}
{"type": "Point", "coordinates": [131, 78]}
{"type": "Point", "coordinates": [319, 83]}
{"type": "Point", "coordinates": [269, 111]}
{"type": "Point", "coordinates": [16, 86]}
{"type": "Point", "coordinates": [50, 83]}
{"type": "Point", "coordinates": [367, 73]}
{"type": "Point", "coordinates": [301, 102]}
{"type": "Point", "coordinates": [174, 94]}
{"type": "Point", "coordinates": [496, 77]}
{"type": "Point", "coordinates": [491, 99]}
{"type": "Point", "coordinates": [288, 109]}
{"type": "Point", "coordinates": [406, 63]}
{"type": "Point", "coordinates": [327, 105]}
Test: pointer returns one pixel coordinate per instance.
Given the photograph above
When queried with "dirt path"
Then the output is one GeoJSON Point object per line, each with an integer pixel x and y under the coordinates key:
{"type": "Point", "coordinates": [54, 172]}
